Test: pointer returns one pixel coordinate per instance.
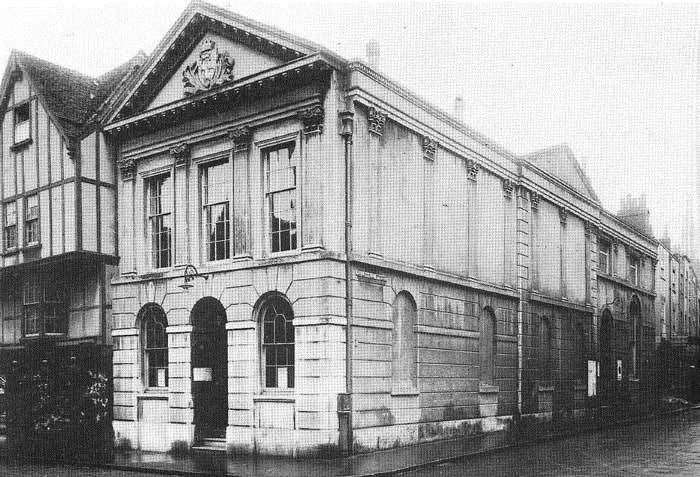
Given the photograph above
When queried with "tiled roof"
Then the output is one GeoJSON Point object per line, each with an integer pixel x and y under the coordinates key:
{"type": "Point", "coordinates": [72, 97]}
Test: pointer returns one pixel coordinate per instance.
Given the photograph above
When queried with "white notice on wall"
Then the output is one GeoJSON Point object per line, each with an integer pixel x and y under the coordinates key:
{"type": "Point", "coordinates": [161, 377]}
{"type": "Point", "coordinates": [201, 374]}
{"type": "Point", "coordinates": [592, 372]}
{"type": "Point", "coordinates": [619, 370]}
{"type": "Point", "coordinates": [282, 378]}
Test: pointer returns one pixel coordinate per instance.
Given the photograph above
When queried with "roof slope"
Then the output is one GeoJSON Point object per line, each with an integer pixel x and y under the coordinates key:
{"type": "Point", "coordinates": [560, 162]}
{"type": "Point", "coordinates": [72, 97]}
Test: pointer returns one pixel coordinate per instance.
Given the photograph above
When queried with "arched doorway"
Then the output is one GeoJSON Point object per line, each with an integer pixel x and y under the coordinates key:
{"type": "Point", "coordinates": [608, 370]}
{"type": "Point", "coordinates": [209, 369]}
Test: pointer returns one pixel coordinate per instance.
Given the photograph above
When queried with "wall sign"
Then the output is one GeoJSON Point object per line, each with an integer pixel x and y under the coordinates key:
{"type": "Point", "coordinates": [592, 377]}
{"type": "Point", "coordinates": [201, 374]}
{"type": "Point", "coordinates": [619, 370]}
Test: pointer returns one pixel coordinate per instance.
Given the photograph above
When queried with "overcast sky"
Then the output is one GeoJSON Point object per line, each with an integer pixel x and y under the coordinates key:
{"type": "Point", "coordinates": [618, 83]}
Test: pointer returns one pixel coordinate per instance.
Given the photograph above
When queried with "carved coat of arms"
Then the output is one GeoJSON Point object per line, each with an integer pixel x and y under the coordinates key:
{"type": "Point", "coordinates": [212, 68]}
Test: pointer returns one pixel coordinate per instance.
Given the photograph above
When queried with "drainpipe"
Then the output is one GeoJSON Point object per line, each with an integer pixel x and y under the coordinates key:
{"type": "Point", "coordinates": [345, 401]}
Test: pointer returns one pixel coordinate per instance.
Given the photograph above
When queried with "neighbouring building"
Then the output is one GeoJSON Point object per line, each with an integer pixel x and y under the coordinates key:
{"type": "Point", "coordinates": [58, 201]}
{"type": "Point", "coordinates": [312, 258]}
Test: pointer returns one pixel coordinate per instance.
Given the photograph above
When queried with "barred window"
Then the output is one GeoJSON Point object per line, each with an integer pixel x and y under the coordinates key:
{"type": "Point", "coordinates": [31, 220]}
{"type": "Point", "coordinates": [278, 344]}
{"type": "Point", "coordinates": [281, 171]}
{"type": "Point", "coordinates": [155, 346]}
{"type": "Point", "coordinates": [10, 226]}
{"type": "Point", "coordinates": [216, 186]}
{"type": "Point", "coordinates": [158, 199]}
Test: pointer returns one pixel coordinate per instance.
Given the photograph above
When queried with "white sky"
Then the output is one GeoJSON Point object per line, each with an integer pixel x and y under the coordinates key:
{"type": "Point", "coordinates": [619, 83]}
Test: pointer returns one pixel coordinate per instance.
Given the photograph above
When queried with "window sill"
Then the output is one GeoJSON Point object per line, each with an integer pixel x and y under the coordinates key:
{"type": "Point", "coordinates": [32, 246]}
{"type": "Point", "coordinates": [10, 251]}
{"type": "Point", "coordinates": [488, 388]}
{"type": "Point", "coordinates": [21, 144]}
{"type": "Point", "coordinates": [405, 391]}
{"type": "Point", "coordinates": [275, 396]}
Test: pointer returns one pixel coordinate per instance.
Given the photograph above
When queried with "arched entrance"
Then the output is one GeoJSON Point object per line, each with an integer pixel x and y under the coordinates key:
{"type": "Point", "coordinates": [209, 369]}
{"type": "Point", "coordinates": [608, 371]}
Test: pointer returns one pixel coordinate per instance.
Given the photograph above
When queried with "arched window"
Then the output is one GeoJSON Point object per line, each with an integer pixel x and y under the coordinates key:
{"type": "Point", "coordinates": [487, 347]}
{"type": "Point", "coordinates": [635, 335]}
{"type": "Point", "coordinates": [278, 343]}
{"type": "Point", "coordinates": [546, 347]}
{"type": "Point", "coordinates": [155, 346]}
{"type": "Point", "coordinates": [403, 363]}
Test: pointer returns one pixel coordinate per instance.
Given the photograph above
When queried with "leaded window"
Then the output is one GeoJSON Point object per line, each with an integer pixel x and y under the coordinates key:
{"type": "Point", "coordinates": [155, 347]}
{"type": "Point", "coordinates": [281, 184]}
{"type": "Point", "coordinates": [45, 305]}
{"type": "Point", "coordinates": [278, 344]}
{"type": "Point", "coordinates": [31, 220]}
{"type": "Point", "coordinates": [10, 226]}
{"type": "Point", "coordinates": [216, 187]}
{"type": "Point", "coordinates": [159, 203]}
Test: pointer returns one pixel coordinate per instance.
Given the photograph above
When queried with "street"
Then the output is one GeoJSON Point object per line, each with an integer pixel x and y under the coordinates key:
{"type": "Point", "coordinates": [37, 470]}
{"type": "Point", "coordinates": [668, 446]}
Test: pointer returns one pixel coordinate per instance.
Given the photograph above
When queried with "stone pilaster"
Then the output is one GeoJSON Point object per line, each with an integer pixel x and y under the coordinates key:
{"type": "Point", "coordinates": [312, 180]}
{"type": "Point", "coordinates": [241, 139]}
{"type": "Point", "coordinates": [376, 122]}
{"type": "Point", "coordinates": [181, 203]}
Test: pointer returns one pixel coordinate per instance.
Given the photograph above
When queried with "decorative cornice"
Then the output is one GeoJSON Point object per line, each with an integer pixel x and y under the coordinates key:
{"type": "Point", "coordinates": [180, 153]}
{"type": "Point", "coordinates": [508, 186]}
{"type": "Point", "coordinates": [429, 148]}
{"type": "Point", "coordinates": [312, 119]}
{"type": "Point", "coordinates": [563, 214]}
{"type": "Point", "coordinates": [127, 167]}
{"type": "Point", "coordinates": [376, 119]}
{"type": "Point", "coordinates": [534, 200]}
{"type": "Point", "coordinates": [241, 137]}
{"type": "Point", "coordinates": [472, 169]}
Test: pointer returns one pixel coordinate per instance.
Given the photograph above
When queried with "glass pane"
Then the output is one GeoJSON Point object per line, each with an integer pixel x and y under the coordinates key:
{"type": "Point", "coordinates": [11, 214]}
{"type": "Point", "coordinates": [280, 329]}
{"type": "Point", "coordinates": [270, 377]}
{"type": "Point", "coordinates": [290, 376]}
{"type": "Point", "coordinates": [270, 356]}
{"type": "Point", "coordinates": [268, 333]}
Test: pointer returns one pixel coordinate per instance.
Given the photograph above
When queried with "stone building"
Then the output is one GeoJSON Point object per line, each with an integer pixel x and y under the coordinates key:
{"type": "Point", "coordinates": [313, 258]}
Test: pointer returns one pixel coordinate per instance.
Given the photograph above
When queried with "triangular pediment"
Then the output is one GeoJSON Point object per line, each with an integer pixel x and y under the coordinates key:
{"type": "Point", "coordinates": [214, 60]}
{"type": "Point", "coordinates": [560, 162]}
{"type": "Point", "coordinates": [211, 47]}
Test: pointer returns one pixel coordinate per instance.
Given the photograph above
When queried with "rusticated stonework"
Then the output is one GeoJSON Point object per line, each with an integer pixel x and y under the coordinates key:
{"type": "Point", "coordinates": [312, 119]}
{"type": "Point", "coordinates": [377, 120]}
{"type": "Point", "coordinates": [241, 137]}
{"type": "Point", "coordinates": [180, 153]}
{"type": "Point", "coordinates": [429, 148]}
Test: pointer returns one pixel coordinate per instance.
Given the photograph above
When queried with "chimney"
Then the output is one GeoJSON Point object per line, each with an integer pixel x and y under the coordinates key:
{"type": "Point", "coordinates": [459, 108]}
{"type": "Point", "coordinates": [373, 53]}
{"type": "Point", "coordinates": [635, 213]}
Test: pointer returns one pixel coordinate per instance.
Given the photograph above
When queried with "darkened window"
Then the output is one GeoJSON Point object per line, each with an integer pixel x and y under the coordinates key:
{"type": "Point", "coordinates": [22, 128]}
{"type": "Point", "coordinates": [281, 183]}
{"type": "Point", "coordinates": [159, 203]}
{"type": "Point", "coordinates": [10, 230]}
{"type": "Point", "coordinates": [278, 343]}
{"type": "Point", "coordinates": [634, 270]}
{"type": "Point", "coordinates": [155, 347]}
{"type": "Point", "coordinates": [546, 348]}
{"type": "Point", "coordinates": [45, 305]}
{"type": "Point", "coordinates": [487, 346]}
{"type": "Point", "coordinates": [31, 220]}
{"type": "Point", "coordinates": [216, 188]}
{"type": "Point", "coordinates": [604, 262]}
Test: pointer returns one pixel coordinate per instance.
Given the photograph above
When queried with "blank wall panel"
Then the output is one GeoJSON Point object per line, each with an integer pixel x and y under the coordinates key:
{"type": "Point", "coordinates": [57, 220]}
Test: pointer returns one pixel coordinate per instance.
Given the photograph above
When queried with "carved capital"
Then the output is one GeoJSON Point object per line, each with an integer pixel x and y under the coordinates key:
{"type": "Point", "coordinates": [563, 214]}
{"type": "Point", "coordinates": [241, 137]}
{"type": "Point", "coordinates": [472, 169]}
{"type": "Point", "coordinates": [534, 200]}
{"type": "Point", "coordinates": [508, 186]}
{"type": "Point", "coordinates": [377, 120]}
{"type": "Point", "coordinates": [127, 168]}
{"type": "Point", "coordinates": [312, 119]}
{"type": "Point", "coordinates": [180, 154]}
{"type": "Point", "coordinates": [429, 148]}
